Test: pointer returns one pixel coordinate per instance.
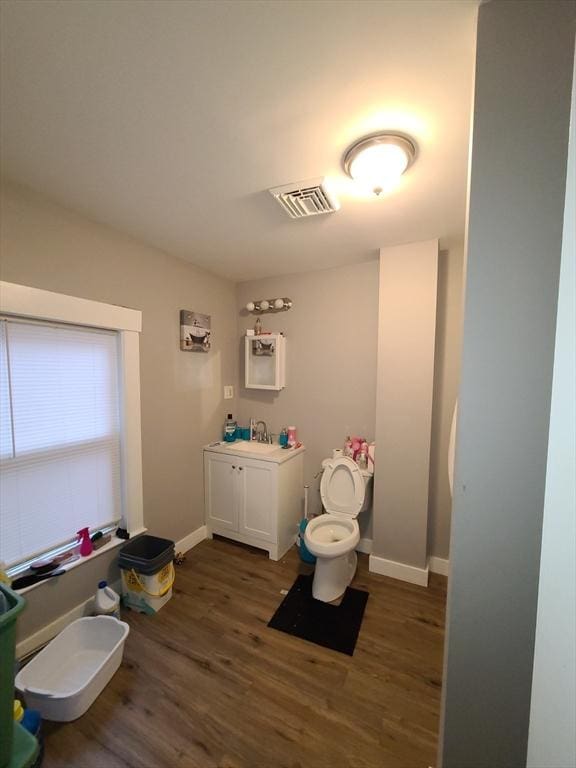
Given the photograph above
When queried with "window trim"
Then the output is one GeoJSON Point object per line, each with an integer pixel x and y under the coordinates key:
{"type": "Point", "coordinates": [38, 304]}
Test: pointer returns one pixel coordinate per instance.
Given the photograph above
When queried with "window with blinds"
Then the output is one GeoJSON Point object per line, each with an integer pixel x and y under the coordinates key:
{"type": "Point", "coordinates": [59, 435]}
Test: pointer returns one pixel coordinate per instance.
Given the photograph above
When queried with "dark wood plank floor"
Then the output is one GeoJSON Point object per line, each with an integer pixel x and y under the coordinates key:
{"type": "Point", "coordinates": [205, 683]}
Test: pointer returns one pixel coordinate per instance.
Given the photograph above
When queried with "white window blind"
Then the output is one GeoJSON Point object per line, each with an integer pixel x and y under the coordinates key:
{"type": "Point", "coordinates": [60, 435]}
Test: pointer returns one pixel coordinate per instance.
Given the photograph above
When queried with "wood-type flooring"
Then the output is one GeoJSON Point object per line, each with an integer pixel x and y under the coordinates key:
{"type": "Point", "coordinates": [206, 684]}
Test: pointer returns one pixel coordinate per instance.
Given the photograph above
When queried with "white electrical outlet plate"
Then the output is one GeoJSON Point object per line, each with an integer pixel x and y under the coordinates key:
{"type": "Point", "coordinates": [228, 393]}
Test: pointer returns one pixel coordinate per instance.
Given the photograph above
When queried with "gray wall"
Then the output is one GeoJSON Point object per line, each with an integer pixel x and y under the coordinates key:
{"type": "Point", "coordinates": [521, 116]}
{"type": "Point", "coordinates": [332, 386]}
{"type": "Point", "coordinates": [53, 598]}
{"type": "Point", "coordinates": [446, 380]}
{"type": "Point", "coordinates": [182, 392]}
{"type": "Point", "coordinates": [406, 336]}
{"type": "Point", "coordinates": [331, 360]}
{"type": "Point", "coordinates": [48, 247]}
{"type": "Point", "coordinates": [552, 736]}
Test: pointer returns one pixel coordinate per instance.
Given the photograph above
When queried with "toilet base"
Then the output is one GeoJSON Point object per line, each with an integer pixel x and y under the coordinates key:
{"type": "Point", "coordinates": [332, 576]}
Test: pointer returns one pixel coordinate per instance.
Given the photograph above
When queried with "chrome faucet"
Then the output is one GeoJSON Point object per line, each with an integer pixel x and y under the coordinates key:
{"type": "Point", "coordinates": [262, 433]}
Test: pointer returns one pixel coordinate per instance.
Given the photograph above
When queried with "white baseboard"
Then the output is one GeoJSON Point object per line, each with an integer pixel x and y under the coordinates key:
{"type": "Point", "coordinates": [191, 540]}
{"type": "Point", "coordinates": [364, 546]}
{"type": "Point", "coordinates": [42, 636]}
{"type": "Point", "coordinates": [399, 571]}
{"type": "Point", "coordinates": [439, 565]}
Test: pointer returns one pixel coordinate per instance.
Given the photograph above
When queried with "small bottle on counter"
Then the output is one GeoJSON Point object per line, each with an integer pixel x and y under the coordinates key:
{"type": "Point", "coordinates": [258, 327]}
{"type": "Point", "coordinates": [230, 427]}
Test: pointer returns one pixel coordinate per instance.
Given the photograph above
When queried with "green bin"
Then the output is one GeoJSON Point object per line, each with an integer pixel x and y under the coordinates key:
{"type": "Point", "coordinates": [15, 605]}
{"type": "Point", "coordinates": [24, 749]}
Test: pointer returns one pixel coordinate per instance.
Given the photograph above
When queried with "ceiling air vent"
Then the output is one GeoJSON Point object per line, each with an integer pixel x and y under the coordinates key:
{"type": "Point", "coordinates": [306, 198]}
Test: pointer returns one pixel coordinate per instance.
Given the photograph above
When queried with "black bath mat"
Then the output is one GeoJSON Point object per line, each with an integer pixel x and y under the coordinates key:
{"type": "Point", "coordinates": [332, 626]}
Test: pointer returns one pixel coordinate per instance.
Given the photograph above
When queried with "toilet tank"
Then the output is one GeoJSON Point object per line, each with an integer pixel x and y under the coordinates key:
{"type": "Point", "coordinates": [371, 457]}
{"type": "Point", "coordinates": [369, 483]}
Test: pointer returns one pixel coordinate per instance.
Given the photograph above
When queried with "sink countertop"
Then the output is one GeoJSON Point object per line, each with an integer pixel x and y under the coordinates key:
{"type": "Point", "coordinates": [253, 450]}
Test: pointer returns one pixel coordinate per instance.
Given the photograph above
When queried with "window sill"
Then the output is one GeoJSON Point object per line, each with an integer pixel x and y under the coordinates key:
{"type": "Point", "coordinates": [114, 543]}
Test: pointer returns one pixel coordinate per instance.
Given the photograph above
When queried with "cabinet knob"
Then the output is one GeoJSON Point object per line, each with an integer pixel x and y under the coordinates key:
{"type": "Point", "coordinates": [233, 466]}
{"type": "Point", "coordinates": [240, 468]}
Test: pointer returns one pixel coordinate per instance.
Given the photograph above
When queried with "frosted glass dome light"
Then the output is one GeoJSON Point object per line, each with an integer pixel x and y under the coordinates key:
{"type": "Point", "coordinates": [378, 161]}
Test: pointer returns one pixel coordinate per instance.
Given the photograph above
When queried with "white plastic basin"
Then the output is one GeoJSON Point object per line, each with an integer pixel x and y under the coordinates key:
{"type": "Point", "coordinates": [67, 676]}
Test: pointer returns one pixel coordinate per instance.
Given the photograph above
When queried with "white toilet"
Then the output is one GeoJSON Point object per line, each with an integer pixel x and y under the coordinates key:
{"type": "Point", "coordinates": [346, 491]}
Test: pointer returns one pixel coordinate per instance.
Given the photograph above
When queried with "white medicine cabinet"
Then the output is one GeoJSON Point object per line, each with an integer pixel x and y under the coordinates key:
{"type": "Point", "coordinates": [265, 361]}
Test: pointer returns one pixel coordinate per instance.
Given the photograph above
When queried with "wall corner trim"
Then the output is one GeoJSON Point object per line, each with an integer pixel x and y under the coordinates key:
{"type": "Point", "coordinates": [399, 571]}
{"type": "Point", "coordinates": [192, 539]}
{"type": "Point", "coordinates": [439, 565]}
{"type": "Point", "coordinates": [365, 546]}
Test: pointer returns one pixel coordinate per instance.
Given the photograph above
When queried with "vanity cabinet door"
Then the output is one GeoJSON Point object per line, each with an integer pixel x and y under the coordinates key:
{"type": "Point", "coordinates": [258, 504]}
{"type": "Point", "coordinates": [221, 497]}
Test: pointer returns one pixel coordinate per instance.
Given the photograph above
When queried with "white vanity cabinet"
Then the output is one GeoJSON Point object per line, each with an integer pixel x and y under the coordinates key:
{"type": "Point", "coordinates": [252, 498]}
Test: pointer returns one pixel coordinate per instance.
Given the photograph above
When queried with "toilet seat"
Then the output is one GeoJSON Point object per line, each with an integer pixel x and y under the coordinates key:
{"type": "Point", "coordinates": [342, 488]}
{"type": "Point", "coordinates": [331, 535]}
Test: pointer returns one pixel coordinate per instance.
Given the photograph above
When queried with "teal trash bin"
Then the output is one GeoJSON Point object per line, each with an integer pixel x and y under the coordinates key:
{"type": "Point", "coordinates": [305, 555]}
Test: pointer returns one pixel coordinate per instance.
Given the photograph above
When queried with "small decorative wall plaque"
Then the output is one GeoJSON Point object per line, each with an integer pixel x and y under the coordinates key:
{"type": "Point", "coordinates": [194, 331]}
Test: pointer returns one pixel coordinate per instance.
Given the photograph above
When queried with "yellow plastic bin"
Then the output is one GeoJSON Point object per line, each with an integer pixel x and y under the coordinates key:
{"type": "Point", "coordinates": [147, 566]}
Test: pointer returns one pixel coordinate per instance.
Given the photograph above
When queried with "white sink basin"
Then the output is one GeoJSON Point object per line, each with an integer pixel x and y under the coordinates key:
{"type": "Point", "coordinates": [253, 447]}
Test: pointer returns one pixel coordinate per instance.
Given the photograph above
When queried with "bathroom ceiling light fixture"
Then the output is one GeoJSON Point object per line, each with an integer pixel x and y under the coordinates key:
{"type": "Point", "coordinates": [269, 305]}
{"type": "Point", "coordinates": [377, 161]}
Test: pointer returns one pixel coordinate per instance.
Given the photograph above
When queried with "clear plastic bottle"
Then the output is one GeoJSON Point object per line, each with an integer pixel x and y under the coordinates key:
{"type": "Point", "coordinates": [348, 448]}
{"type": "Point", "coordinates": [230, 427]}
{"type": "Point", "coordinates": [362, 458]}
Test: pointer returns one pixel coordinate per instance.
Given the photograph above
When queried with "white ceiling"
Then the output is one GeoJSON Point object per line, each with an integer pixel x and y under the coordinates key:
{"type": "Point", "coordinates": [170, 119]}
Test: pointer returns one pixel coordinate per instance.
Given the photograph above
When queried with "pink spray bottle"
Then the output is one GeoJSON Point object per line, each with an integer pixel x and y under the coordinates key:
{"type": "Point", "coordinates": [85, 543]}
